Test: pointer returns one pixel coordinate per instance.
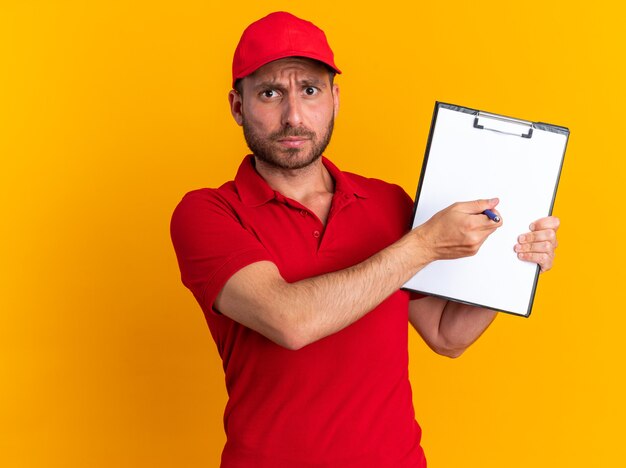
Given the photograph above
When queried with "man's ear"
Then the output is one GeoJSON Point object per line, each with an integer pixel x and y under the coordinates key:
{"type": "Point", "coordinates": [336, 99]}
{"type": "Point", "coordinates": [235, 101]}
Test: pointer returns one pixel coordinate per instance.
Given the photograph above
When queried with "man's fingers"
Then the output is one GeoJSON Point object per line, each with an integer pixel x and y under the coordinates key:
{"type": "Point", "coordinates": [542, 259]}
{"type": "Point", "coordinates": [533, 248]}
{"type": "Point", "coordinates": [478, 206]}
{"type": "Point", "coordinates": [547, 235]}
{"type": "Point", "coordinates": [549, 222]}
{"type": "Point", "coordinates": [538, 247]}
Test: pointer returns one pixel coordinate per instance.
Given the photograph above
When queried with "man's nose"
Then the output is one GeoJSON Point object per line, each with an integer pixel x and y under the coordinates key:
{"type": "Point", "coordinates": [292, 111]}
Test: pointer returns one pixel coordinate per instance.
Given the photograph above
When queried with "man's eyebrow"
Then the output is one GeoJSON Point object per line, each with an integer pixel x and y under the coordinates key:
{"type": "Point", "coordinates": [269, 84]}
{"type": "Point", "coordinates": [274, 84]}
{"type": "Point", "coordinates": [313, 82]}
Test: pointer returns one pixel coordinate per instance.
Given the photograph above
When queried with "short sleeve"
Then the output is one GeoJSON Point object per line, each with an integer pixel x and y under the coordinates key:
{"type": "Point", "coordinates": [211, 244]}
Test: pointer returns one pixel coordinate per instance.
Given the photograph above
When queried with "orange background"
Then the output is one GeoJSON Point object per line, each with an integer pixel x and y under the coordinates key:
{"type": "Point", "coordinates": [111, 111]}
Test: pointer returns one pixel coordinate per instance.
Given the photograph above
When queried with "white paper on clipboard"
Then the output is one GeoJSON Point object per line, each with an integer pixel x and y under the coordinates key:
{"type": "Point", "coordinates": [475, 155]}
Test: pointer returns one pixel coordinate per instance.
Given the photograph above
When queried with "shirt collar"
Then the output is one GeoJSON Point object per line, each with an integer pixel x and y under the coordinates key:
{"type": "Point", "coordinates": [255, 191]}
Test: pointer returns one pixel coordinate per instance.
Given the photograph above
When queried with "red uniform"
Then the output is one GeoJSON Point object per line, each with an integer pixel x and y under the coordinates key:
{"type": "Point", "coordinates": [343, 401]}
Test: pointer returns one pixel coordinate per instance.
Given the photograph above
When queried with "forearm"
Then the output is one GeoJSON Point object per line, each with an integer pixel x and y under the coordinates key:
{"type": "Point", "coordinates": [317, 307]}
{"type": "Point", "coordinates": [461, 325]}
{"type": "Point", "coordinates": [448, 327]}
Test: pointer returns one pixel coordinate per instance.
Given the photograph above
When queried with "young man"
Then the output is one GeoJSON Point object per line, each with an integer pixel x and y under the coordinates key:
{"type": "Point", "coordinates": [299, 279]}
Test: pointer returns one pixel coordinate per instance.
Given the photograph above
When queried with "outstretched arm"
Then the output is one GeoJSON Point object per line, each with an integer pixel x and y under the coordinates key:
{"type": "Point", "coordinates": [296, 314]}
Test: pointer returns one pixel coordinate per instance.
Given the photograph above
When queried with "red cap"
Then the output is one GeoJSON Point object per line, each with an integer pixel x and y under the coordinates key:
{"type": "Point", "coordinates": [276, 36]}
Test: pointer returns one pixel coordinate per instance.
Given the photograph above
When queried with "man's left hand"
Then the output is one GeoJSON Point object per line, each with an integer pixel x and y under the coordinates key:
{"type": "Point", "coordinates": [538, 245]}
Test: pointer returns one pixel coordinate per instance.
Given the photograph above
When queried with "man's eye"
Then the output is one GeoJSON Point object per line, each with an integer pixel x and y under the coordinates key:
{"type": "Point", "coordinates": [269, 93]}
{"type": "Point", "coordinates": [310, 90]}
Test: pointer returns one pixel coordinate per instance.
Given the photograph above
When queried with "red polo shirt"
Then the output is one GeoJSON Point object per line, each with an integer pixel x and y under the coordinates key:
{"type": "Point", "coordinates": [343, 401]}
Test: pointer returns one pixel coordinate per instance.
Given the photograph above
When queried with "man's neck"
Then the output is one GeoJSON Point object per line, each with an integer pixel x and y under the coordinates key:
{"type": "Point", "coordinates": [311, 186]}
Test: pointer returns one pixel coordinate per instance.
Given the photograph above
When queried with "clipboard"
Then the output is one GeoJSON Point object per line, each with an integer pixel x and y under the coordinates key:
{"type": "Point", "coordinates": [473, 154]}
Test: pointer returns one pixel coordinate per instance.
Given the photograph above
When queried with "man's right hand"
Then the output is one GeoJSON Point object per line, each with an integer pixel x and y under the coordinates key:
{"type": "Point", "coordinates": [458, 230]}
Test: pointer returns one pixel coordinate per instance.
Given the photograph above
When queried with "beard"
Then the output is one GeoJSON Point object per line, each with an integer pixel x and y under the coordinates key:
{"type": "Point", "coordinates": [267, 148]}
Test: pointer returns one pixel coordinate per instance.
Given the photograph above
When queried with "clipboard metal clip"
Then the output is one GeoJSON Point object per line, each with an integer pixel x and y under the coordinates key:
{"type": "Point", "coordinates": [502, 124]}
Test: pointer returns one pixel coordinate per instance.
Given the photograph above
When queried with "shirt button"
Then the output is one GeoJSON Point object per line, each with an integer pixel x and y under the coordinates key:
{"type": "Point", "coordinates": [316, 234]}
{"type": "Point", "coordinates": [303, 213]}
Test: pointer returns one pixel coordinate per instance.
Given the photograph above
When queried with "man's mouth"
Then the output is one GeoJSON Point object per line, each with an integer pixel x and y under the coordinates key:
{"type": "Point", "coordinates": [293, 142]}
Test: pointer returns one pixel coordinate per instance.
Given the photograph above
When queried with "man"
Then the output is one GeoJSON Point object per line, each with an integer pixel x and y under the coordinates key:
{"type": "Point", "coordinates": [297, 267]}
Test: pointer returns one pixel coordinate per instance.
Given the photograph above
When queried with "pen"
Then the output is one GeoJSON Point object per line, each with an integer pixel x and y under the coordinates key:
{"type": "Point", "coordinates": [492, 216]}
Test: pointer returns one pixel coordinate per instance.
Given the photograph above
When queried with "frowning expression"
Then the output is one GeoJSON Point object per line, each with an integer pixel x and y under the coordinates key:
{"type": "Point", "coordinates": [287, 110]}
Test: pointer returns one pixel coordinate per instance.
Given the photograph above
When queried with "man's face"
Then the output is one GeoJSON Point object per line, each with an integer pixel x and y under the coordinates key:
{"type": "Point", "coordinates": [287, 110]}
